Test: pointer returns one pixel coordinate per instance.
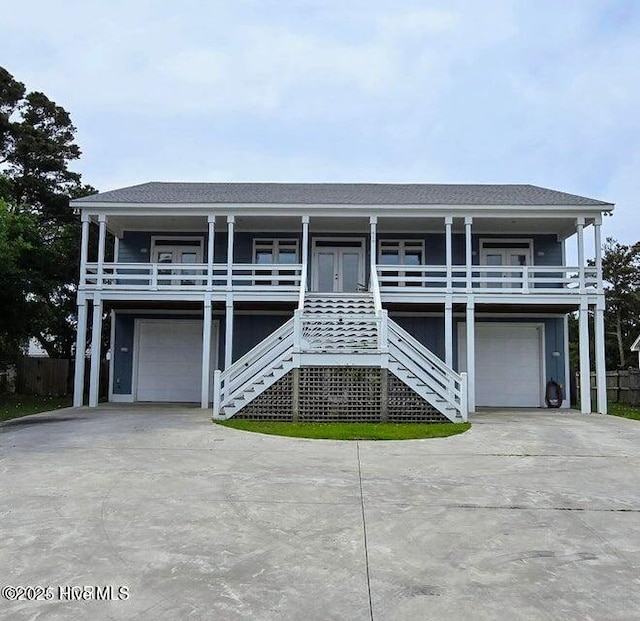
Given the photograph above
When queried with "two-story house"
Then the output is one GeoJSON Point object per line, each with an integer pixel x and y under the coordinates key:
{"type": "Point", "coordinates": [340, 301]}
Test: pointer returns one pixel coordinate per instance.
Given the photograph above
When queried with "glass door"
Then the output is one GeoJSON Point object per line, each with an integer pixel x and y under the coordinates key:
{"type": "Point", "coordinates": [338, 267]}
{"type": "Point", "coordinates": [170, 254]}
{"type": "Point", "coordinates": [514, 257]}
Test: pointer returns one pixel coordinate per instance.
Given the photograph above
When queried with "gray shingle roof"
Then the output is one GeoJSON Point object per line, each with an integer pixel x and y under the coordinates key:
{"type": "Point", "coordinates": [341, 194]}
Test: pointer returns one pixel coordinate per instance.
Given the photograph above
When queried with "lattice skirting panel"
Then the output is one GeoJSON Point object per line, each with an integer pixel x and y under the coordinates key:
{"type": "Point", "coordinates": [340, 394]}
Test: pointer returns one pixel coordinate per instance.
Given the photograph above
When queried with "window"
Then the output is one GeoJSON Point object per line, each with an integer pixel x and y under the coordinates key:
{"type": "Point", "coordinates": [275, 252]}
{"type": "Point", "coordinates": [401, 252]}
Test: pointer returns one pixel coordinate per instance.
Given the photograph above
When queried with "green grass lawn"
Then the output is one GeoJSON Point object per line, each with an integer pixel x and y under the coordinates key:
{"type": "Point", "coordinates": [626, 411]}
{"type": "Point", "coordinates": [350, 431]}
{"type": "Point", "coordinates": [14, 406]}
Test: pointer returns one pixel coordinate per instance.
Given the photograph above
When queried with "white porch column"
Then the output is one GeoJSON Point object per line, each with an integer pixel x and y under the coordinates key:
{"type": "Point", "coordinates": [468, 257]}
{"type": "Point", "coordinates": [448, 332]}
{"type": "Point", "coordinates": [84, 249]}
{"type": "Point", "coordinates": [102, 237]}
{"type": "Point", "coordinates": [597, 240]}
{"type": "Point", "coordinates": [206, 353]}
{"type": "Point", "coordinates": [211, 222]}
{"type": "Point", "coordinates": [304, 276]}
{"type": "Point", "coordinates": [230, 226]}
{"type": "Point", "coordinates": [81, 347]}
{"type": "Point", "coordinates": [228, 333]}
{"type": "Point", "coordinates": [601, 370]}
{"type": "Point", "coordinates": [373, 252]}
{"type": "Point", "coordinates": [448, 222]}
{"type": "Point", "coordinates": [471, 355]}
{"type": "Point", "coordinates": [585, 369]}
{"type": "Point", "coordinates": [580, 231]}
{"type": "Point", "coordinates": [96, 338]}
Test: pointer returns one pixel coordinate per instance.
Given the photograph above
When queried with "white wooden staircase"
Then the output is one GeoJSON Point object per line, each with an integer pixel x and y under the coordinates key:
{"type": "Point", "coordinates": [341, 330]}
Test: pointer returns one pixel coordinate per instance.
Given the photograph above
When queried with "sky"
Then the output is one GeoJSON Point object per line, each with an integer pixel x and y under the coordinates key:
{"type": "Point", "coordinates": [544, 92]}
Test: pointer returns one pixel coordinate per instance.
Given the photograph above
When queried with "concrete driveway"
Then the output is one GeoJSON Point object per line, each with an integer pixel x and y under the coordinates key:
{"type": "Point", "coordinates": [529, 515]}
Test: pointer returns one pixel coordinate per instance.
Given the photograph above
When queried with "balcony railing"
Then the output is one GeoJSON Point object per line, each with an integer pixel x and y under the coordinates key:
{"type": "Point", "coordinates": [482, 279]}
{"type": "Point", "coordinates": [392, 279]}
{"type": "Point", "coordinates": [191, 276]}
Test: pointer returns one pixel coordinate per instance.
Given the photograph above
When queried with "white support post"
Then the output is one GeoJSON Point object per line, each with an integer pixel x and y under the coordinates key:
{"type": "Point", "coordinates": [112, 341]}
{"type": "Point", "coordinates": [206, 353]}
{"type": "Point", "coordinates": [471, 357]}
{"type": "Point", "coordinates": [585, 368]}
{"type": "Point", "coordinates": [297, 331]}
{"type": "Point", "coordinates": [384, 338]}
{"type": "Point", "coordinates": [96, 338]}
{"type": "Point", "coordinates": [373, 251]}
{"type": "Point", "coordinates": [81, 347]}
{"type": "Point", "coordinates": [211, 222]}
{"type": "Point", "coordinates": [228, 333]}
{"type": "Point", "coordinates": [305, 261]}
{"type": "Point", "coordinates": [464, 397]}
{"type": "Point", "coordinates": [567, 367]}
{"type": "Point", "coordinates": [448, 223]}
{"type": "Point", "coordinates": [102, 237]}
{"type": "Point", "coordinates": [230, 226]}
{"type": "Point", "coordinates": [448, 331]}
{"type": "Point", "coordinates": [601, 370]}
{"type": "Point", "coordinates": [468, 256]}
{"type": "Point", "coordinates": [580, 230]}
{"type": "Point", "coordinates": [597, 240]}
{"type": "Point", "coordinates": [84, 250]}
{"type": "Point", "coordinates": [217, 387]}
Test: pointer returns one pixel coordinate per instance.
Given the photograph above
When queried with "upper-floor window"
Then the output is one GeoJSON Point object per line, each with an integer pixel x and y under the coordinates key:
{"type": "Point", "coordinates": [401, 252]}
{"type": "Point", "coordinates": [269, 251]}
{"type": "Point", "coordinates": [275, 251]}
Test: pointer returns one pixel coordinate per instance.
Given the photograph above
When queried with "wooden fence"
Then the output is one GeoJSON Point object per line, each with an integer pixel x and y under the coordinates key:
{"type": "Point", "coordinates": [42, 376]}
{"type": "Point", "coordinates": [622, 386]}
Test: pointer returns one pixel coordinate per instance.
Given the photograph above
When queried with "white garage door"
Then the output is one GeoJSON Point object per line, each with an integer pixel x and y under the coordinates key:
{"type": "Point", "coordinates": [508, 364]}
{"type": "Point", "coordinates": [169, 360]}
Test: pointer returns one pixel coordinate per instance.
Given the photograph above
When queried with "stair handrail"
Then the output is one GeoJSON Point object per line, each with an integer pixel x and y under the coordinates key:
{"type": "Point", "coordinates": [420, 348]}
{"type": "Point", "coordinates": [260, 366]}
{"type": "Point", "coordinates": [257, 352]}
{"type": "Point", "coordinates": [445, 377]}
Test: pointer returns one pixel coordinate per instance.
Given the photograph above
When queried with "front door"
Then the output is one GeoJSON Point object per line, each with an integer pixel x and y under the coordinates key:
{"type": "Point", "coordinates": [338, 267]}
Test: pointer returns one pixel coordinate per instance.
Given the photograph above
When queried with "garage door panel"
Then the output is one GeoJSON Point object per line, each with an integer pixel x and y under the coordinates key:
{"type": "Point", "coordinates": [169, 361]}
{"type": "Point", "coordinates": [508, 364]}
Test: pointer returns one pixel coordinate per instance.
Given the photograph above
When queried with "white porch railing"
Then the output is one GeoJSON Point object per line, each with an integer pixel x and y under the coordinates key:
{"type": "Point", "coordinates": [538, 279]}
{"type": "Point", "coordinates": [190, 276]}
{"type": "Point", "coordinates": [292, 278]}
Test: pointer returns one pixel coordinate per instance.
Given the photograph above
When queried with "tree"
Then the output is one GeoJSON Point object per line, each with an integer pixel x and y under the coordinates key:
{"type": "Point", "coordinates": [37, 145]}
{"type": "Point", "coordinates": [621, 272]}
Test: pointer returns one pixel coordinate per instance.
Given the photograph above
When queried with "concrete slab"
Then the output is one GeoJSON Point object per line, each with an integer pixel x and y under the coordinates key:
{"type": "Point", "coordinates": [530, 515]}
